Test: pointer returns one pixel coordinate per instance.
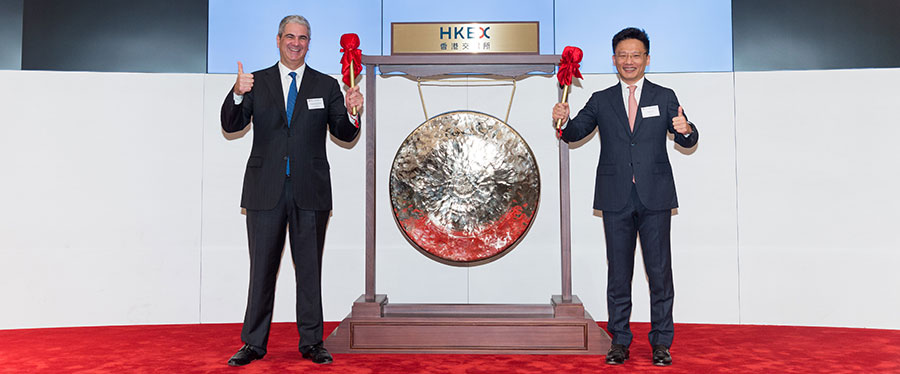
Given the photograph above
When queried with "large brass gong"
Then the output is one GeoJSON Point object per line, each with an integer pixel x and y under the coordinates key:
{"type": "Point", "coordinates": [464, 188]}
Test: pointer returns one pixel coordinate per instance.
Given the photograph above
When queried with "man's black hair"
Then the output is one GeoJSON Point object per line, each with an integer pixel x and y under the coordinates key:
{"type": "Point", "coordinates": [631, 33]}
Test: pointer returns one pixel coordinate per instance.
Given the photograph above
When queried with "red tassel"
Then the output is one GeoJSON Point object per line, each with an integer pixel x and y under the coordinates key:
{"type": "Point", "coordinates": [569, 64]}
{"type": "Point", "coordinates": [352, 55]}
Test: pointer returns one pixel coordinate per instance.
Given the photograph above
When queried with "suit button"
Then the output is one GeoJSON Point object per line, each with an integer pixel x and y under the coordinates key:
{"type": "Point", "coordinates": [632, 144]}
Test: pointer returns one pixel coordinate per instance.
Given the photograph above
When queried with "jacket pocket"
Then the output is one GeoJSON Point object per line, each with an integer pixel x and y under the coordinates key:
{"type": "Point", "coordinates": [661, 168]}
{"type": "Point", "coordinates": [320, 163]}
{"type": "Point", "coordinates": [606, 169]}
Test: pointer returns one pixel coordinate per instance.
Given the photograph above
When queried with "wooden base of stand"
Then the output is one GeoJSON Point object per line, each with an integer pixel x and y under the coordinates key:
{"type": "Point", "coordinates": [555, 328]}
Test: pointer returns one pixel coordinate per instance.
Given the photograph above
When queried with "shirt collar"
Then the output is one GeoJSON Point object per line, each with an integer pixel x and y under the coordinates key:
{"type": "Point", "coordinates": [284, 70]}
{"type": "Point", "coordinates": [639, 84]}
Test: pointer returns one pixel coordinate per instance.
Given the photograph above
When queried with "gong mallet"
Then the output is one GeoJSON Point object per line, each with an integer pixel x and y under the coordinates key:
{"type": "Point", "coordinates": [351, 62]}
{"type": "Point", "coordinates": [568, 68]}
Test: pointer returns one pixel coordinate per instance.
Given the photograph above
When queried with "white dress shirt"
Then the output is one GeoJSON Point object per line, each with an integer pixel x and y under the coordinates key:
{"type": "Point", "coordinates": [637, 92]}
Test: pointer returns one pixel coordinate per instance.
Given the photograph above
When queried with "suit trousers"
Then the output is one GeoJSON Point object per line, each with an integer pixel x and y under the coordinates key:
{"type": "Point", "coordinates": [622, 228]}
{"type": "Point", "coordinates": [266, 232]}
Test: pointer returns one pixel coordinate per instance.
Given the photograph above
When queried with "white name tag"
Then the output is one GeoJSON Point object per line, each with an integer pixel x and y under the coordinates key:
{"type": "Point", "coordinates": [650, 111]}
{"type": "Point", "coordinates": [316, 103]}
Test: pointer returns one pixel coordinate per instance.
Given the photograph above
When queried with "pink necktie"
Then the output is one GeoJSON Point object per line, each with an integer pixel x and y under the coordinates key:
{"type": "Point", "coordinates": [632, 106]}
{"type": "Point", "coordinates": [632, 112]}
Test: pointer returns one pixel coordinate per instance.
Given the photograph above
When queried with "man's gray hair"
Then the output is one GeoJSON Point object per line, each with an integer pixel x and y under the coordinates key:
{"type": "Point", "coordinates": [294, 19]}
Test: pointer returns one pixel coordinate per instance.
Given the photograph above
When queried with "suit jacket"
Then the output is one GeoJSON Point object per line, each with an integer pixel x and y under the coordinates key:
{"type": "Point", "coordinates": [624, 154]}
{"type": "Point", "coordinates": [303, 141]}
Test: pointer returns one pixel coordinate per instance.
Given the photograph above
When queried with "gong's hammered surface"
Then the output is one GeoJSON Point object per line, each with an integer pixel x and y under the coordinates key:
{"type": "Point", "coordinates": [464, 187]}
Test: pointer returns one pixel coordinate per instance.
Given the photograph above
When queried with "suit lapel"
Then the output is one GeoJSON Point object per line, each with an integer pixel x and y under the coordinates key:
{"type": "Point", "coordinates": [272, 77]}
{"type": "Point", "coordinates": [648, 94]}
{"type": "Point", "coordinates": [615, 99]}
{"type": "Point", "coordinates": [307, 87]}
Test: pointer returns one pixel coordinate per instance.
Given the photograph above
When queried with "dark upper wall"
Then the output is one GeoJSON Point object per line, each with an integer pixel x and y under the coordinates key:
{"type": "Point", "coordinates": [157, 36]}
{"type": "Point", "coordinates": [815, 34]}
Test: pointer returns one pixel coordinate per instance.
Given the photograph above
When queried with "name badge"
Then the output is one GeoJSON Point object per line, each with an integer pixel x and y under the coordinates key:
{"type": "Point", "coordinates": [316, 103]}
{"type": "Point", "coordinates": [650, 111]}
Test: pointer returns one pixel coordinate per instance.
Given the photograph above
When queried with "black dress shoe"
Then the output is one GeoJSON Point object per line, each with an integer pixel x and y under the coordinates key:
{"type": "Point", "coordinates": [661, 356]}
{"type": "Point", "coordinates": [244, 356]}
{"type": "Point", "coordinates": [617, 354]}
{"type": "Point", "coordinates": [317, 354]}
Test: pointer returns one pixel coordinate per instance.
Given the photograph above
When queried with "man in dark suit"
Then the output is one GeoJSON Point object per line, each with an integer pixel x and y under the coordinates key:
{"type": "Point", "coordinates": [287, 186]}
{"type": "Point", "coordinates": [634, 187]}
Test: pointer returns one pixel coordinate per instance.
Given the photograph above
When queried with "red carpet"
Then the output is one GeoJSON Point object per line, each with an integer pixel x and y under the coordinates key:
{"type": "Point", "coordinates": [206, 348]}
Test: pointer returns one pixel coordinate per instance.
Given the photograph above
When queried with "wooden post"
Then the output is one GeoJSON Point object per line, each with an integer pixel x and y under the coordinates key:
{"type": "Point", "coordinates": [565, 219]}
{"type": "Point", "coordinates": [370, 183]}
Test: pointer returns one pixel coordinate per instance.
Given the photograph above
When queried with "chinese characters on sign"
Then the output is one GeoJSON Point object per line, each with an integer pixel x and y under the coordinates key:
{"type": "Point", "coordinates": [486, 46]}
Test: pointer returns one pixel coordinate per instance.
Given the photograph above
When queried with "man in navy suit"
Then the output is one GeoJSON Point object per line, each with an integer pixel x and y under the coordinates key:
{"type": "Point", "coordinates": [287, 184]}
{"type": "Point", "coordinates": [634, 187]}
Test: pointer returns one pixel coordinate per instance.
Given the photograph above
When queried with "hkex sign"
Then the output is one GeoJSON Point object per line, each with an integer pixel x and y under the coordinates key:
{"type": "Point", "coordinates": [464, 37]}
{"type": "Point", "coordinates": [465, 32]}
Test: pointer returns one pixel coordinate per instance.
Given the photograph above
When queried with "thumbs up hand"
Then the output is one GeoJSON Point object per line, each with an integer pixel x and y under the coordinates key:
{"type": "Point", "coordinates": [680, 123]}
{"type": "Point", "coordinates": [244, 82]}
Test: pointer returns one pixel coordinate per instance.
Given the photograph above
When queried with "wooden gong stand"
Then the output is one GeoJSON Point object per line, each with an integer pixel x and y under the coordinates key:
{"type": "Point", "coordinates": [376, 326]}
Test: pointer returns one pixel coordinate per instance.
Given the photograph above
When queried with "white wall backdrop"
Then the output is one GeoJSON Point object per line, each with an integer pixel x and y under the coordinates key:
{"type": "Point", "coordinates": [121, 202]}
{"type": "Point", "coordinates": [101, 211]}
{"type": "Point", "coordinates": [817, 198]}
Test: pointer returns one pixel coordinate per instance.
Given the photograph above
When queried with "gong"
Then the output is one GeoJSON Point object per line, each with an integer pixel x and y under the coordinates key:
{"type": "Point", "coordinates": [464, 188]}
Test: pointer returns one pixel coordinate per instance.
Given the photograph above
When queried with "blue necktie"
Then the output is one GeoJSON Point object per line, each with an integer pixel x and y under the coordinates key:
{"type": "Point", "coordinates": [291, 100]}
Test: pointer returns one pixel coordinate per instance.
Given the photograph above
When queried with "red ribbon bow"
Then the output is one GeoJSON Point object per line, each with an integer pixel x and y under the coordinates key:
{"type": "Point", "coordinates": [568, 65]}
{"type": "Point", "coordinates": [352, 55]}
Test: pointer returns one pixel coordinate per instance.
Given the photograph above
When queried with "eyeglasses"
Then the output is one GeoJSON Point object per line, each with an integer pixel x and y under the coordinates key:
{"type": "Point", "coordinates": [634, 56]}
